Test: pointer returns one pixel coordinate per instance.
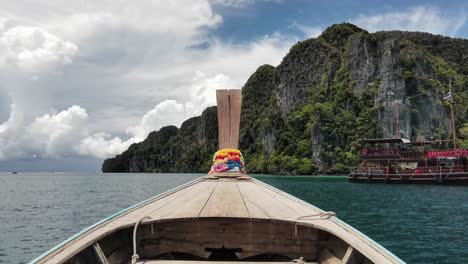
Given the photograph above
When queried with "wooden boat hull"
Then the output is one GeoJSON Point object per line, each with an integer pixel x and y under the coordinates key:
{"type": "Point", "coordinates": [459, 178]}
{"type": "Point", "coordinates": [221, 219]}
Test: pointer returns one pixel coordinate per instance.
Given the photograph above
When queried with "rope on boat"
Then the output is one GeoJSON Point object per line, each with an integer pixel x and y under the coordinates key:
{"type": "Point", "coordinates": [135, 256]}
{"type": "Point", "coordinates": [322, 215]}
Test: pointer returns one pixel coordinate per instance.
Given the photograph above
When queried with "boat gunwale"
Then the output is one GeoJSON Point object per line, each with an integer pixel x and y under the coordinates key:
{"type": "Point", "coordinates": [120, 213]}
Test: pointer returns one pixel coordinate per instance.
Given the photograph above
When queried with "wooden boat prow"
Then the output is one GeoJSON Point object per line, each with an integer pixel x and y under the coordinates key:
{"type": "Point", "coordinates": [224, 211]}
{"type": "Point", "coordinates": [223, 217]}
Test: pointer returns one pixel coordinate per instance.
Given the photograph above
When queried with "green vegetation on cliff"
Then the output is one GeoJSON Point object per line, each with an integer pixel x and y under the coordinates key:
{"type": "Point", "coordinates": [188, 149]}
{"type": "Point", "coordinates": [309, 113]}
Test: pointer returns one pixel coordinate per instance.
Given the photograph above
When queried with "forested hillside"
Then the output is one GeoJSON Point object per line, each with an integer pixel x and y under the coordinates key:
{"type": "Point", "coordinates": [309, 113]}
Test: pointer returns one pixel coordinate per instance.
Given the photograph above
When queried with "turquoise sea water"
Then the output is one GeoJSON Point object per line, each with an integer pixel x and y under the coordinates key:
{"type": "Point", "coordinates": [418, 223]}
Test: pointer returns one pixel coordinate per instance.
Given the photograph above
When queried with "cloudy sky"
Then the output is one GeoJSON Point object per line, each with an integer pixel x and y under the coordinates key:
{"type": "Point", "coordinates": [82, 80]}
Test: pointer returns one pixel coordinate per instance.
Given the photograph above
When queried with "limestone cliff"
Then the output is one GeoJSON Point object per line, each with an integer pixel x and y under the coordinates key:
{"type": "Point", "coordinates": [309, 113]}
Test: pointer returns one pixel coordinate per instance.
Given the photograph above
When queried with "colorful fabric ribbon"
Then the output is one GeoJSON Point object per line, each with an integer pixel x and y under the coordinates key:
{"type": "Point", "coordinates": [227, 160]}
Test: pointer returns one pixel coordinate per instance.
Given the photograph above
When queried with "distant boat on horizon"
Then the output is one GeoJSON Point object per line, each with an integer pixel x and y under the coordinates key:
{"type": "Point", "coordinates": [14, 172]}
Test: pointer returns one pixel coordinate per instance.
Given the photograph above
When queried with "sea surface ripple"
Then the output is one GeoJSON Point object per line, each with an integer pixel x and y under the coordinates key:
{"type": "Point", "coordinates": [418, 223]}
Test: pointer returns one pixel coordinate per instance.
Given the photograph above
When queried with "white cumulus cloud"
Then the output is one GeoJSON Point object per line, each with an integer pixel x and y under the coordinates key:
{"type": "Point", "coordinates": [103, 145]}
{"type": "Point", "coordinates": [240, 3]}
{"type": "Point", "coordinates": [116, 70]}
{"type": "Point", "coordinates": [166, 112]}
{"type": "Point", "coordinates": [420, 18]}
{"type": "Point", "coordinates": [202, 94]}
{"type": "Point", "coordinates": [50, 135]}
{"type": "Point", "coordinates": [32, 48]}
{"type": "Point", "coordinates": [57, 135]}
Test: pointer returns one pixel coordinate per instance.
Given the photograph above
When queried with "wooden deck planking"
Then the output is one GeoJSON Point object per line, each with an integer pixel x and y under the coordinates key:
{"type": "Point", "coordinates": [157, 205]}
{"type": "Point", "coordinates": [188, 205]}
{"type": "Point", "coordinates": [260, 203]}
{"type": "Point", "coordinates": [299, 209]}
{"type": "Point", "coordinates": [226, 201]}
{"type": "Point", "coordinates": [255, 211]}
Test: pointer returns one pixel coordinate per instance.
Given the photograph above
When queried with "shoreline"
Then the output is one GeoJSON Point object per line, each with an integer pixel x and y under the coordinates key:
{"type": "Point", "coordinates": [176, 173]}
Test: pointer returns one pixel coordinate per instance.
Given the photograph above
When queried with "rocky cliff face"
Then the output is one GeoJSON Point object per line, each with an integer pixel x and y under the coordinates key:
{"type": "Point", "coordinates": [310, 112]}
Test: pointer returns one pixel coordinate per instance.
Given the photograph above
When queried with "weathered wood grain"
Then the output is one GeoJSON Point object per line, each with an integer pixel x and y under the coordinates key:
{"type": "Point", "coordinates": [188, 205]}
{"type": "Point", "coordinates": [226, 201]}
{"type": "Point", "coordinates": [260, 203]}
{"type": "Point", "coordinates": [326, 257]}
{"type": "Point", "coordinates": [251, 237]}
{"type": "Point", "coordinates": [229, 198]}
{"type": "Point", "coordinates": [229, 110]}
{"type": "Point", "coordinates": [235, 103]}
{"type": "Point", "coordinates": [224, 119]}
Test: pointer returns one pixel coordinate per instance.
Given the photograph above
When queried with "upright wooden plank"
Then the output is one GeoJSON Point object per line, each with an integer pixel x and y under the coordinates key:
{"type": "Point", "coordinates": [224, 119]}
{"type": "Point", "coordinates": [235, 103]}
{"type": "Point", "coordinates": [225, 201]}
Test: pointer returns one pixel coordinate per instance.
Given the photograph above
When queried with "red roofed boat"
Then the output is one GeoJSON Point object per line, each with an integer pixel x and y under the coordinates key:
{"type": "Point", "coordinates": [397, 160]}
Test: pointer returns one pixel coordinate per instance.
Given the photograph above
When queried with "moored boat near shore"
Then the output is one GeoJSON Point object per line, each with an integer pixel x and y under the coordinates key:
{"type": "Point", "coordinates": [224, 217]}
{"type": "Point", "coordinates": [402, 161]}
